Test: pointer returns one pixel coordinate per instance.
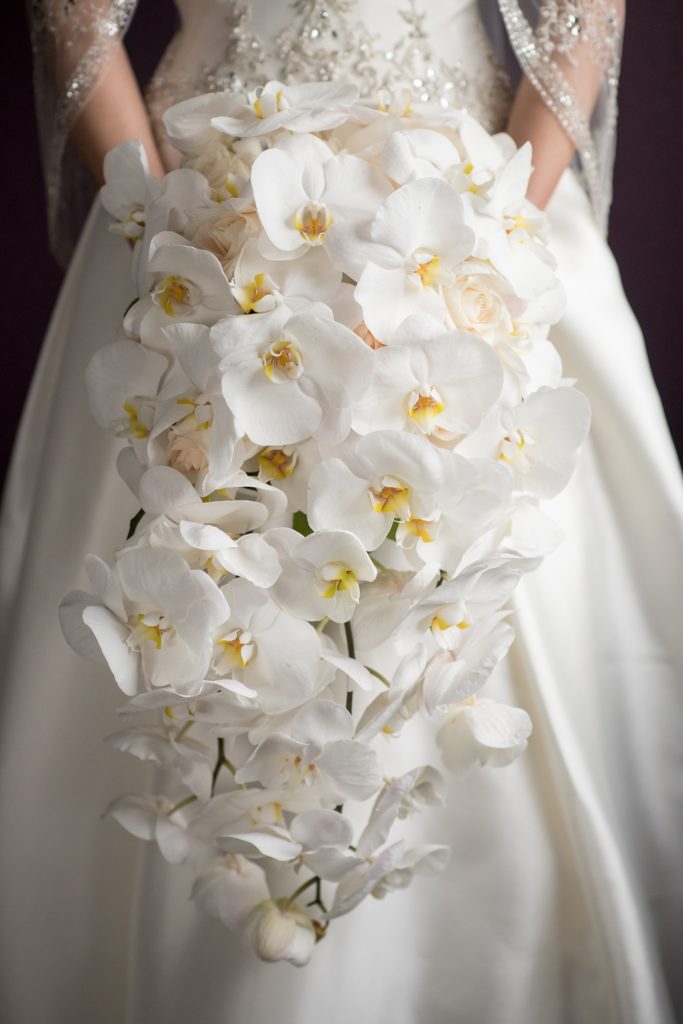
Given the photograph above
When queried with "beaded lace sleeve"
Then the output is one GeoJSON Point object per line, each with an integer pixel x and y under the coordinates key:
{"type": "Point", "coordinates": [72, 41]}
{"type": "Point", "coordinates": [570, 50]}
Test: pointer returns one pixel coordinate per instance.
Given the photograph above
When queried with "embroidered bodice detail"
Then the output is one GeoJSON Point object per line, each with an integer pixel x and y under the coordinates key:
{"type": "Point", "coordinates": [328, 41]}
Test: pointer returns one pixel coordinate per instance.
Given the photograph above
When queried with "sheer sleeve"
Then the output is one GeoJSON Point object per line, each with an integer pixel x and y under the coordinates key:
{"type": "Point", "coordinates": [72, 41]}
{"type": "Point", "coordinates": [570, 50]}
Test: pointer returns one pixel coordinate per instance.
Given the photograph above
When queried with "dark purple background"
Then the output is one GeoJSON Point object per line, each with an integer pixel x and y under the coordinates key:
{"type": "Point", "coordinates": [645, 229]}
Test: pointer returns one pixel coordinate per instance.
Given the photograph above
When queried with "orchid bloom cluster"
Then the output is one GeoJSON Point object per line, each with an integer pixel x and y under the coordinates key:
{"type": "Point", "coordinates": [341, 412]}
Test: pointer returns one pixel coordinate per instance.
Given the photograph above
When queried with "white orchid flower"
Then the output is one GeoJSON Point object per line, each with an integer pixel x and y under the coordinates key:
{"type": "Point", "coordinates": [194, 431]}
{"type": "Point", "coordinates": [287, 378]}
{"type": "Point", "coordinates": [281, 930]}
{"type": "Point", "coordinates": [229, 888]}
{"type": "Point", "coordinates": [309, 107]}
{"type": "Point", "coordinates": [123, 380]}
{"type": "Point", "coordinates": [445, 613]}
{"type": "Point", "coordinates": [188, 284]}
{"type": "Point", "coordinates": [288, 468]}
{"type": "Point", "coordinates": [484, 157]}
{"type": "Point", "coordinates": [249, 556]}
{"type": "Point", "coordinates": [129, 186]}
{"type": "Point", "coordinates": [482, 732]}
{"type": "Point", "coordinates": [390, 868]}
{"type": "Point", "coordinates": [472, 501]}
{"type": "Point", "coordinates": [388, 475]}
{"type": "Point", "coordinates": [220, 554]}
{"type": "Point", "coordinates": [454, 637]}
{"type": "Point", "coordinates": [321, 574]}
{"type": "Point", "coordinates": [317, 760]}
{"type": "Point", "coordinates": [170, 748]}
{"type": "Point", "coordinates": [306, 196]}
{"type": "Point", "coordinates": [154, 818]}
{"type": "Point", "coordinates": [165, 492]}
{"type": "Point", "coordinates": [188, 124]}
{"type": "Point", "coordinates": [239, 812]}
{"type": "Point", "coordinates": [152, 619]}
{"type": "Point", "coordinates": [181, 196]}
{"type": "Point", "coordinates": [510, 230]}
{"type": "Point", "coordinates": [464, 664]}
{"type": "Point", "coordinates": [270, 651]}
{"type": "Point", "coordinates": [385, 602]}
{"type": "Point", "coordinates": [413, 153]}
{"type": "Point", "coordinates": [419, 238]}
{"type": "Point", "coordinates": [399, 797]}
{"type": "Point", "coordinates": [542, 437]}
{"type": "Point", "coordinates": [418, 860]}
{"type": "Point", "coordinates": [437, 384]}
{"type": "Point", "coordinates": [259, 285]}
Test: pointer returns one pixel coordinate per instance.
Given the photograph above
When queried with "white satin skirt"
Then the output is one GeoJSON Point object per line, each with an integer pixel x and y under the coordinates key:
{"type": "Point", "coordinates": [563, 901]}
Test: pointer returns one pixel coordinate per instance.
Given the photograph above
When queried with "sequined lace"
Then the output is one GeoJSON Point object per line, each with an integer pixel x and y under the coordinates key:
{"type": "Point", "coordinates": [561, 26]}
{"type": "Point", "coordinates": [326, 41]}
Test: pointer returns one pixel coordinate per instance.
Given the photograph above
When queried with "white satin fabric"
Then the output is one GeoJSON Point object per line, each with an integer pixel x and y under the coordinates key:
{"type": "Point", "coordinates": [562, 899]}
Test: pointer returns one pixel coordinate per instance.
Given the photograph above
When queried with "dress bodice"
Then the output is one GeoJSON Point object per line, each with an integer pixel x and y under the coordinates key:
{"type": "Point", "coordinates": [438, 51]}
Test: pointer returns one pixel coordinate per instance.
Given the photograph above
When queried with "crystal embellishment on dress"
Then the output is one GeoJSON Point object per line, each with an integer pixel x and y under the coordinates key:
{"type": "Point", "coordinates": [327, 41]}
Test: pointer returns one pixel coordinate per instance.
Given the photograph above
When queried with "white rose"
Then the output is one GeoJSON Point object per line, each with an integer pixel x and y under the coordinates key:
{"type": "Point", "coordinates": [484, 304]}
{"type": "Point", "coordinates": [224, 232]}
{"type": "Point", "coordinates": [225, 172]}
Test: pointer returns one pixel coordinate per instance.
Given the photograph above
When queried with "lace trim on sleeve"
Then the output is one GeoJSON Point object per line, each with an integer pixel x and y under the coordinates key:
{"type": "Point", "coordinates": [547, 54]}
{"type": "Point", "coordinates": [72, 41]}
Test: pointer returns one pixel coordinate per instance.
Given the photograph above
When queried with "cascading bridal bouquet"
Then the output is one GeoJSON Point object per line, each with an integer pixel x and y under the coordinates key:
{"type": "Point", "coordinates": [342, 411]}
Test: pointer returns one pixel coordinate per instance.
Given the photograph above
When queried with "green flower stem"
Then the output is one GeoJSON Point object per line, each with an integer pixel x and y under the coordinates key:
{"type": "Point", "coordinates": [184, 728]}
{"type": "Point", "coordinates": [351, 648]}
{"type": "Point", "coordinates": [182, 803]}
{"type": "Point", "coordinates": [302, 888]}
{"type": "Point", "coordinates": [220, 761]}
{"type": "Point", "coordinates": [378, 675]}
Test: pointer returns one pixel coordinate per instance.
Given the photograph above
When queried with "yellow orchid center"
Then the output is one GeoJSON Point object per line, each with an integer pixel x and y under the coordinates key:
{"type": "Point", "coordinates": [268, 814]}
{"type": "Point", "coordinates": [150, 627]}
{"type": "Point", "coordinates": [238, 648]}
{"type": "Point", "coordinates": [171, 293]}
{"type": "Point", "coordinates": [264, 104]}
{"type": "Point", "coordinates": [399, 103]}
{"type": "Point", "coordinates": [249, 295]}
{"type": "Point", "coordinates": [198, 417]}
{"type": "Point", "coordinates": [429, 270]}
{"type": "Point", "coordinates": [421, 529]}
{"type": "Point", "coordinates": [391, 496]}
{"type": "Point", "coordinates": [312, 221]}
{"type": "Point", "coordinates": [231, 187]}
{"type": "Point", "coordinates": [441, 624]}
{"type": "Point", "coordinates": [336, 578]}
{"type": "Point", "coordinates": [512, 446]}
{"type": "Point", "coordinates": [517, 222]}
{"type": "Point", "coordinates": [282, 362]}
{"type": "Point", "coordinates": [277, 463]}
{"type": "Point", "coordinates": [135, 427]}
{"type": "Point", "coordinates": [425, 407]}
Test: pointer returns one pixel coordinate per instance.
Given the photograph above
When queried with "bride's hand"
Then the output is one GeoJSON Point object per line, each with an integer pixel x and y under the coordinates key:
{"type": "Point", "coordinates": [114, 112]}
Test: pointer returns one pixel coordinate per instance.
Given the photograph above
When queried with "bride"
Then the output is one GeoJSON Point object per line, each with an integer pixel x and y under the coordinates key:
{"type": "Point", "coordinates": [563, 896]}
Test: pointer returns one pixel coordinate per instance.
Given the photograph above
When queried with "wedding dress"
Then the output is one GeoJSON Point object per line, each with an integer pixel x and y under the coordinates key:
{"type": "Point", "coordinates": [563, 895]}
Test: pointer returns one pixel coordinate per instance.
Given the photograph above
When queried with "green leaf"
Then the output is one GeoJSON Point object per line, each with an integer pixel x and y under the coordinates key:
{"type": "Point", "coordinates": [300, 524]}
{"type": "Point", "coordinates": [134, 523]}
